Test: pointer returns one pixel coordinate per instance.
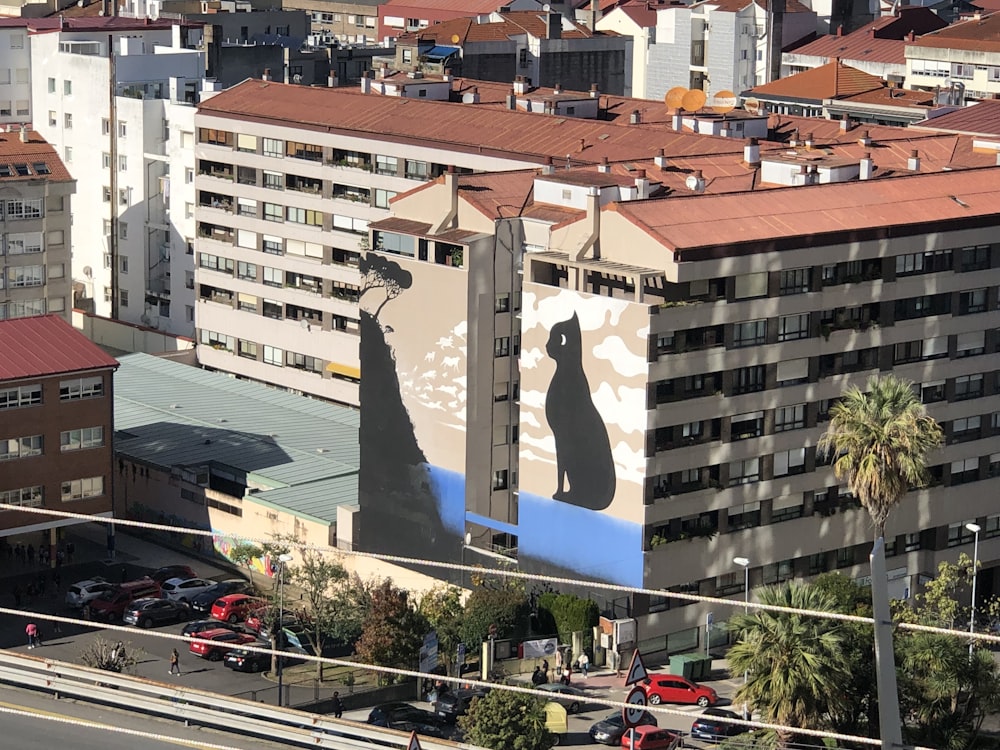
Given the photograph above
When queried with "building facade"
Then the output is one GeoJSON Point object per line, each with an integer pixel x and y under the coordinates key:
{"type": "Point", "coordinates": [56, 425]}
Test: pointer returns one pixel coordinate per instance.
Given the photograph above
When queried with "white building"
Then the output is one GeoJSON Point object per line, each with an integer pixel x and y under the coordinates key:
{"type": "Point", "coordinates": [15, 73]}
{"type": "Point", "coordinates": [637, 20]}
{"type": "Point", "coordinates": [120, 150]}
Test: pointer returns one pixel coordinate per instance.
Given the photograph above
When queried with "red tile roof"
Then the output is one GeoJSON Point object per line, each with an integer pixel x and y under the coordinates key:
{"type": "Point", "coordinates": [32, 154]}
{"type": "Point", "coordinates": [46, 345]}
{"type": "Point", "coordinates": [859, 45]}
{"type": "Point", "coordinates": [471, 7]}
{"type": "Point", "coordinates": [977, 119]}
{"type": "Point", "coordinates": [981, 35]}
{"type": "Point", "coordinates": [641, 12]}
{"type": "Point", "coordinates": [831, 81]}
{"type": "Point", "coordinates": [514, 23]}
{"type": "Point", "coordinates": [894, 97]}
{"type": "Point", "coordinates": [734, 6]}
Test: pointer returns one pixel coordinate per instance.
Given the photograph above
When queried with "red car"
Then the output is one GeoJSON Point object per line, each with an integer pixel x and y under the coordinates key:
{"type": "Point", "coordinates": [651, 738]}
{"type": "Point", "coordinates": [223, 642]}
{"type": "Point", "coordinates": [671, 688]}
{"type": "Point", "coordinates": [234, 607]}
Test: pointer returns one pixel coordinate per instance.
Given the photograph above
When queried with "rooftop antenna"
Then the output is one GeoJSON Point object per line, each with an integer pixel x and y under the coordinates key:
{"type": "Point", "coordinates": [567, 161]}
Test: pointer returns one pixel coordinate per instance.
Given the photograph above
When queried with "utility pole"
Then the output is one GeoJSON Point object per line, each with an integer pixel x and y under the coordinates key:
{"type": "Point", "coordinates": [890, 729]}
{"type": "Point", "coordinates": [113, 151]}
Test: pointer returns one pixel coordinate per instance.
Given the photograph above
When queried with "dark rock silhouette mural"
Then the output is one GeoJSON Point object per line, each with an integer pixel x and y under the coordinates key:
{"type": "Point", "coordinates": [583, 450]}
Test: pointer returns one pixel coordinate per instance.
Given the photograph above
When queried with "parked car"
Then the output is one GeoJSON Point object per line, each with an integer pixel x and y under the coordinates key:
{"type": "Point", "coordinates": [203, 602]}
{"type": "Point", "coordinates": [234, 607]}
{"type": "Point", "coordinates": [712, 725]}
{"type": "Point", "coordinates": [185, 589]}
{"type": "Point", "coordinates": [200, 626]}
{"type": "Point", "coordinates": [670, 688]}
{"type": "Point", "coordinates": [160, 575]}
{"type": "Point", "coordinates": [567, 696]}
{"type": "Point", "coordinates": [609, 730]}
{"type": "Point", "coordinates": [241, 660]}
{"type": "Point", "coordinates": [260, 619]}
{"type": "Point", "coordinates": [111, 605]}
{"type": "Point", "coordinates": [83, 592]}
{"type": "Point", "coordinates": [651, 738]}
{"type": "Point", "coordinates": [407, 718]}
{"type": "Point", "coordinates": [454, 703]}
{"type": "Point", "coordinates": [222, 641]}
{"type": "Point", "coordinates": [148, 612]}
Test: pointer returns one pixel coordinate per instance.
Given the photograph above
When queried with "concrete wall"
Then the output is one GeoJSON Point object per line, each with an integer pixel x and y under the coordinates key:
{"type": "Point", "coordinates": [128, 337]}
{"type": "Point", "coordinates": [670, 56]}
{"type": "Point", "coordinates": [15, 76]}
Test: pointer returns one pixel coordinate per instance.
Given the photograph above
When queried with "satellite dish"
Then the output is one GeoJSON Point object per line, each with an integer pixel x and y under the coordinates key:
{"type": "Point", "coordinates": [546, 7]}
{"type": "Point", "coordinates": [752, 105]}
{"type": "Point", "coordinates": [674, 97]}
{"type": "Point", "coordinates": [455, 38]}
{"type": "Point", "coordinates": [723, 102]}
{"type": "Point", "coordinates": [297, 78]}
{"type": "Point", "coordinates": [88, 272]}
{"type": "Point", "coordinates": [693, 100]}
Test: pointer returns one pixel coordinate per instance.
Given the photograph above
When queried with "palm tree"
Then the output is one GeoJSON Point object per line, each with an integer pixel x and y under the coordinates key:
{"type": "Point", "coordinates": [880, 440]}
{"type": "Point", "coordinates": [796, 664]}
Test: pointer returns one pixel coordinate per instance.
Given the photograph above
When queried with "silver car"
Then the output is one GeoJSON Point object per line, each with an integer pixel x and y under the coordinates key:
{"type": "Point", "coordinates": [185, 589]}
{"type": "Point", "coordinates": [84, 592]}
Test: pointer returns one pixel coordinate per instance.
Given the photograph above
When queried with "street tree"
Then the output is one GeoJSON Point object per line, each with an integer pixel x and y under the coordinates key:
{"type": "Point", "coordinates": [507, 608]}
{"type": "Point", "coordinates": [243, 553]}
{"type": "Point", "coordinates": [443, 609]}
{"type": "Point", "coordinates": [796, 667]}
{"type": "Point", "coordinates": [879, 440]}
{"type": "Point", "coordinates": [503, 720]}
{"type": "Point", "coordinates": [111, 657]}
{"type": "Point", "coordinates": [394, 630]}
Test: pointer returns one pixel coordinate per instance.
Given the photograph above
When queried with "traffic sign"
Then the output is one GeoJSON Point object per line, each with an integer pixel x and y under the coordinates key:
{"type": "Point", "coordinates": [414, 743]}
{"type": "Point", "coordinates": [632, 716]}
{"type": "Point", "coordinates": [637, 671]}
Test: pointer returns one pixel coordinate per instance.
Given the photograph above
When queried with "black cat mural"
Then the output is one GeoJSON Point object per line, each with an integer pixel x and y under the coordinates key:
{"type": "Point", "coordinates": [583, 450]}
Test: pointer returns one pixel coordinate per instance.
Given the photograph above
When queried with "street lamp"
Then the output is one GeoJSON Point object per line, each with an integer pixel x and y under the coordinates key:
{"type": "Point", "coordinates": [277, 627]}
{"type": "Point", "coordinates": [744, 562]}
{"type": "Point", "coordinates": [975, 529]}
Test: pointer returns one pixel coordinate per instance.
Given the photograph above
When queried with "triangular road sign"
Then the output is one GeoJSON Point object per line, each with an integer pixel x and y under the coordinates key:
{"type": "Point", "coordinates": [637, 671]}
{"type": "Point", "coordinates": [414, 743]}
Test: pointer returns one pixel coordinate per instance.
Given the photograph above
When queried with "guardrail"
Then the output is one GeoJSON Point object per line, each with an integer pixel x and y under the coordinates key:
{"type": "Point", "coordinates": [202, 708]}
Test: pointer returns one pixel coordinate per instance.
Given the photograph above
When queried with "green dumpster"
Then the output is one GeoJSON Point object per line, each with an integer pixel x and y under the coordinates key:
{"type": "Point", "coordinates": [681, 664]}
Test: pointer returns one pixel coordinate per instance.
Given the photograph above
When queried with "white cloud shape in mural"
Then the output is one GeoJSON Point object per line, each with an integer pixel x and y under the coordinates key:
{"type": "Point", "coordinates": [629, 464]}
{"type": "Point", "coordinates": [534, 399]}
{"type": "Point", "coordinates": [528, 418]}
{"type": "Point", "coordinates": [626, 408]}
{"type": "Point", "coordinates": [594, 312]}
{"type": "Point", "coordinates": [531, 358]}
{"type": "Point", "coordinates": [625, 362]}
{"type": "Point", "coordinates": [546, 443]}
{"type": "Point", "coordinates": [529, 455]}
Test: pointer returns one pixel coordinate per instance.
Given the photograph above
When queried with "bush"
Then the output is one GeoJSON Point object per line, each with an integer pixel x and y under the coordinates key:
{"type": "Point", "coordinates": [503, 720]}
{"type": "Point", "coordinates": [571, 614]}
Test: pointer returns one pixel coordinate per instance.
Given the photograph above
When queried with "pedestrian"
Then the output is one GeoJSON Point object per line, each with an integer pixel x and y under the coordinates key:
{"type": "Point", "coordinates": [584, 664]}
{"type": "Point", "coordinates": [567, 675]}
{"type": "Point", "coordinates": [338, 705]}
{"type": "Point", "coordinates": [31, 554]}
{"type": "Point", "coordinates": [19, 553]}
{"type": "Point", "coordinates": [32, 632]}
{"type": "Point", "coordinates": [175, 663]}
{"type": "Point", "coordinates": [537, 678]}
{"type": "Point", "coordinates": [56, 627]}
{"type": "Point", "coordinates": [60, 558]}
{"type": "Point", "coordinates": [17, 595]}
{"type": "Point", "coordinates": [545, 669]}
{"type": "Point", "coordinates": [70, 549]}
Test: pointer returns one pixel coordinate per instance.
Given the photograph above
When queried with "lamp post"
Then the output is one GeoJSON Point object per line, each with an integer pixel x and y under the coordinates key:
{"type": "Point", "coordinates": [975, 529]}
{"type": "Point", "coordinates": [744, 562]}
{"type": "Point", "coordinates": [276, 627]}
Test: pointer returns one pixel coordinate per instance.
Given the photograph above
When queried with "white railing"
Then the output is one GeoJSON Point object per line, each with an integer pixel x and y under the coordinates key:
{"type": "Point", "coordinates": [200, 707]}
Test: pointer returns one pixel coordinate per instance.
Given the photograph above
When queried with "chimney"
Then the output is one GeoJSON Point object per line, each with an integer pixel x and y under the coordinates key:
{"type": "Point", "coordinates": [867, 166]}
{"type": "Point", "coordinates": [331, 81]}
{"type": "Point", "coordinates": [549, 167]}
{"type": "Point", "coordinates": [864, 140]}
{"type": "Point", "coordinates": [794, 140]}
{"type": "Point", "coordinates": [751, 152]}
{"type": "Point", "coordinates": [595, 91]}
{"type": "Point", "coordinates": [446, 76]}
{"type": "Point", "coordinates": [604, 167]}
{"type": "Point", "coordinates": [553, 28]}
{"type": "Point", "coordinates": [913, 163]}
{"type": "Point", "coordinates": [520, 85]}
{"type": "Point", "coordinates": [381, 71]}
{"type": "Point", "coordinates": [635, 118]}
{"type": "Point", "coordinates": [24, 134]}
{"type": "Point", "coordinates": [678, 121]}
{"type": "Point", "coordinates": [998, 158]}
{"type": "Point", "coordinates": [812, 178]}
{"type": "Point", "coordinates": [104, 7]}
{"type": "Point", "coordinates": [595, 14]}
{"type": "Point", "coordinates": [809, 141]}
{"type": "Point", "coordinates": [695, 182]}
{"type": "Point", "coordinates": [642, 185]}
{"type": "Point", "coordinates": [660, 160]}
{"type": "Point", "coordinates": [366, 82]}
{"type": "Point", "coordinates": [840, 30]}
{"type": "Point", "coordinates": [846, 124]}
{"type": "Point", "coordinates": [558, 88]}
{"type": "Point", "coordinates": [62, 22]}
{"type": "Point", "coordinates": [267, 75]}
{"type": "Point", "coordinates": [871, 32]}
{"type": "Point", "coordinates": [511, 100]}
{"type": "Point", "coordinates": [911, 37]}
{"type": "Point", "coordinates": [471, 96]}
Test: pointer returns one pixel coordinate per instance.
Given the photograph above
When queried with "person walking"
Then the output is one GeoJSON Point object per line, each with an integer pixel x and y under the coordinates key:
{"type": "Point", "coordinates": [175, 662]}
{"type": "Point", "coordinates": [31, 630]}
{"type": "Point", "coordinates": [584, 664]}
{"type": "Point", "coordinates": [338, 705]}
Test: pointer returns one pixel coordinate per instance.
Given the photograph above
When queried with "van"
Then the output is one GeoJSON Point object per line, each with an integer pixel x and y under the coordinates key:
{"type": "Point", "coordinates": [111, 605]}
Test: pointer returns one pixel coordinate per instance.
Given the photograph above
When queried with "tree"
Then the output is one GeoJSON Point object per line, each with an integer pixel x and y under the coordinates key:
{"type": "Point", "coordinates": [442, 607]}
{"type": "Point", "coordinates": [879, 441]}
{"type": "Point", "coordinates": [111, 657]}
{"type": "Point", "coordinates": [503, 720]}
{"type": "Point", "coordinates": [571, 614]}
{"type": "Point", "coordinates": [244, 553]}
{"type": "Point", "coordinates": [394, 631]}
{"type": "Point", "coordinates": [939, 604]}
{"type": "Point", "coordinates": [507, 608]}
{"type": "Point", "coordinates": [795, 663]}
{"type": "Point", "coordinates": [378, 272]}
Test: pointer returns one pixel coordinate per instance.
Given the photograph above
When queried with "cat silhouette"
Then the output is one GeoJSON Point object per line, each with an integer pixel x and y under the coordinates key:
{"type": "Point", "coordinates": [583, 450]}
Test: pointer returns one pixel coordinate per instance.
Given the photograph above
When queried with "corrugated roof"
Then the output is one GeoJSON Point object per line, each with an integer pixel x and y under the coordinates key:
{"type": "Point", "coordinates": [859, 45]}
{"type": "Point", "coordinates": [981, 34]}
{"type": "Point", "coordinates": [831, 81]}
{"type": "Point", "coordinates": [513, 23]}
{"type": "Point", "coordinates": [977, 119]}
{"type": "Point", "coordinates": [173, 415]}
{"type": "Point", "coordinates": [46, 345]}
{"type": "Point", "coordinates": [317, 500]}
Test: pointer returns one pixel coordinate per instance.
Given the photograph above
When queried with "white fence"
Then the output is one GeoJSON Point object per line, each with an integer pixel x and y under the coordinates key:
{"type": "Point", "coordinates": [201, 708]}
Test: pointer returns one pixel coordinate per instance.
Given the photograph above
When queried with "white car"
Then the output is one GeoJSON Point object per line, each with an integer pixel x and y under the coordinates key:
{"type": "Point", "coordinates": [84, 592]}
{"type": "Point", "coordinates": [185, 589]}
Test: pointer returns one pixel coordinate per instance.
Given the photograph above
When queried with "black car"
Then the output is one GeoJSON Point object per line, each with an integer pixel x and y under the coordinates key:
{"type": "Point", "coordinates": [203, 602]}
{"type": "Point", "coordinates": [161, 575]}
{"type": "Point", "coordinates": [241, 660]}
{"type": "Point", "coordinates": [407, 718]}
{"type": "Point", "coordinates": [454, 703]}
{"type": "Point", "coordinates": [712, 725]}
{"type": "Point", "coordinates": [148, 612]}
{"type": "Point", "coordinates": [609, 730]}
{"type": "Point", "coordinates": [200, 626]}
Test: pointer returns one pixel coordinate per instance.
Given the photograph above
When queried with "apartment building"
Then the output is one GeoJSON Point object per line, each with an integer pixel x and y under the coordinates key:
{"type": "Point", "coordinates": [15, 75]}
{"type": "Point", "coordinates": [129, 256]}
{"type": "Point", "coordinates": [56, 424]}
{"type": "Point", "coordinates": [37, 227]}
{"type": "Point", "coordinates": [626, 378]}
{"type": "Point", "coordinates": [965, 54]}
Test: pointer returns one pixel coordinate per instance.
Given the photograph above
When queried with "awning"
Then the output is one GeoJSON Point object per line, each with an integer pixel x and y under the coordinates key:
{"type": "Point", "coordinates": [440, 53]}
{"type": "Point", "coordinates": [345, 370]}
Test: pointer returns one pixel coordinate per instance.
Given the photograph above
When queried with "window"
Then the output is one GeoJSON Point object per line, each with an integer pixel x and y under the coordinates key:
{"type": "Point", "coordinates": [274, 277]}
{"type": "Point", "coordinates": [273, 212]}
{"type": "Point", "coordinates": [52, 118]}
{"type": "Point", "coordinates": [246, 207]}
{"type": "Point", "coordinates": [123, 264]}
{"type": "Point", "coordinates": [966, 470]}
{"type": "Point", "coordinates": [67, 88]}
{"type": "Point", "coordinates": [934, 348]}
{"type": "Point", "coordinates": [246, 143]}
{"type": "Point", "coordinates": [962, 70]}
{"type": "Point", "coordinates": [794, 281]}
{"type": "Point", "coordinates": [416, 170]}
{"type": "Point", "coordinates": [919, 263]}
{"type": "Point", "coordinates": [744, 516]}
{"type": "Point", "coordinates": [750, 285]}
{"type": "Point", "coordinates": [274, 356]}
{"type": "Point", "coordinates": [500, 480]}
{"type": "Point", "coordinates": [786, 508]}
{"type": "Point", "coordinates": [790, 462]}
{"type": "Point", "coordinates": [125, 196]}
{"type": "Point", "coordinates": [20, 447]}
{"type": "Point", "coordinates": [750, 333]}
{"type": "Point", "coordinates": [23, 244]}
{"type": "Point", "coordinates": [502, 303]}
{"type": "Point", "coordinates": [974, 258]}
{"type": "Point", "coordinates": [105, 126]}
{"type": "Point", "coordinates": [748, 379]}
{"type": "Point", "coordinates": [274, 180]}
{"type": "Point", "coordinates": [972, 301]}
{"type": "Point", "coordinates": [272, 245]}
{"type": "Point", "coordinates": [501, 347]}
{"type": "Point", "coordinates": [106, 195]}
{"type": "Point", "coordinates": [122, 163]}
{"type": "Point", "coordinates": [246, 271]}
{"type": "Point", "coordinates": [789, 417]}
{"type": "Point", "coordinates": [382, 197]}
{"type": "Point", "coordinates": [23, 209]}
{"type": "Point", "coordinates": [744, 472]}
{"type": "Point", "coordinates": [274, 147]}
{"type": "Point", "coordinates": [966, 428]}
{"type": "Point", "coordinates": [25, 276]}
{"type": "Point", "coordinates": [747, 425]}
{"type": "Point", "coordinates": [246, 303]}
{"type": "Point", "coordinates": [75, 440]}
{"type": "Point", "coordinates": [52, 85]}
{"type": "Point", "coordinates": [123, 129]}
{"type": "Point", "coordinates": [215, 263]}
{"type": "Point", "coordinates": [793, 371]}
{"type": "Point", "coordinates": [307, 151]}
{"type": "Point", "coordinates": [272, 309]}
{"type": "Point", "coordinates": [792, 327]}
{"type": "Point", "coordinates": [920, 307]}
{"type": "Point", "coordinates": [123, 298]}
{"type": "Point", "coordinates": [932, 391]}
{"type": "Point", "coordinates": [968, 386]}
{"type": "Point", "coordinates": [217, 340]}
{"type": "Point", "coordinates": [246, 175]}
{"type": "Point", "coordinates": [907, 351]}
{"type": "Point", "coordinates": [80, 489]}
{"type": "Point", "coordinates": [247, 349]}
{"type": "Point", "coordinates": [247, 239]}
{"type": "Point", "coordinates": [970, 344]}
{"type": "Point", "coordinates": [304, 216]}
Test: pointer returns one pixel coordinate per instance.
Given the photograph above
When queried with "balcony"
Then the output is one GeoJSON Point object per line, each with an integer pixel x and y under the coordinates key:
{"type": "Point", "coordinates": [212, 232]}
{"type": "Point", "coordinates": [216, 169]}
